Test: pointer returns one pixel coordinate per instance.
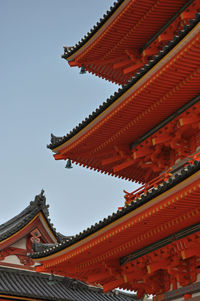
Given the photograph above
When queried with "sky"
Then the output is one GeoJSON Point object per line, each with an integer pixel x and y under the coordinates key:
{"type": "Point", "coordinates": [39, 95]}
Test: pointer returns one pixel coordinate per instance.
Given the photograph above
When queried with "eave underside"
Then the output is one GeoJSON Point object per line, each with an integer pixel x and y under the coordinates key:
{"type": "Point", "coordinates": [97, 259]}
{"type": "Point", "coordinates": [120, 42]}
{"type": "Point", "coordinates": [170, 84]}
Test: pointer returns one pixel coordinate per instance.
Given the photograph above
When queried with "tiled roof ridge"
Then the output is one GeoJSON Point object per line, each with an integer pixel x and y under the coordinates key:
{"type": "Point", "coordinates": [175, 179]}
{"type": "Point", "coordinates": [38, 203]}
{"type": "Point", "coordinates": [35, 206]}
{"type": "Point", "coordinates": [57, 141]}
{"type": "Point", "coordinates": [69, 50]}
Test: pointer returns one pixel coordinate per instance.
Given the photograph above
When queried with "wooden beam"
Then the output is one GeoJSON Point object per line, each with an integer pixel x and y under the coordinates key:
{"type": "Point", "coordinates": [59, 157]}
{"type": "Point", "coordinates": [162, 264]}
{"type": "Point", "coordinates": [123, 165]}
{"type": "Point", "coordinates": [113, 284]}
{"type": "Point", "coordinates": [104, 62]}
{"type": "Point", "coordinates": [190, 252]}
{"type": "Point", "coordinates": [111, 160]}
{"type": "Point", "coordinates": [73, 63]}
{"type": "Point", "coordinates": [132, 68]}
{"type": "Point", "coordinates": [143, 151]}
{"type": "Point", "coordinates": [188, 120]}
{"type": "Point", "coordinates": [165, 37]}
{"type": "Point", "coordinates": [97, 277]}
{"type": "Point", "coordinates": [122, 64]}
{"type": "Point", "coordinates": [161, 139]}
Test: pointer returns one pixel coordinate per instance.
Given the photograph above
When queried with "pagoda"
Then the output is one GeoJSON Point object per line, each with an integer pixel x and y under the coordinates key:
{"type": "Point", "coordinates": [29, 229]}
{"type": "Point", "coordinates": [148, 132]}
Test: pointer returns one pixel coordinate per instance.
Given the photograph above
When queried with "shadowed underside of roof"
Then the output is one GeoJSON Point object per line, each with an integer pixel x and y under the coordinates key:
{"type": "Point", "coordinates": [103, 140]}
{"type": "Point", "coordinates": [174, 180]}
{"type": "Point", "coordinates": [121, 36]}
{"type": "Point", "coordinates": [58, 141]}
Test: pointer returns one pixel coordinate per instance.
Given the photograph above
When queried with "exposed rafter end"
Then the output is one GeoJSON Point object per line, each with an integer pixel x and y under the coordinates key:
{"type": "Point", "coordinates": [113, 284]}
{"type": "Point", "coordinates": [72, 63]}
{"type": "Point", "coordinates": [110, 160]}
{"type": "Point", "coordinates": [122, 64]}
{"type": "Point", "coordinates": [123, 165]}
{"type": "Point", "coordinates": [59, 157]}
{"type": "Point", "coordinates": [133, 68]}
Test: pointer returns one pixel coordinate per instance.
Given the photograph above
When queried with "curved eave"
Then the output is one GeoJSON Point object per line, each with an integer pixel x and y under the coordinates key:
{"type": "Point", "coordinates": [189, 175]}
{"type": "Point", "coordinates": [90, 37]}
{"type": "Point", "coordinates": [140, 81]}
{"type": "Point", "coordinates": [25, 228]}
{"type": "Point", "coordinates": [123, 35]}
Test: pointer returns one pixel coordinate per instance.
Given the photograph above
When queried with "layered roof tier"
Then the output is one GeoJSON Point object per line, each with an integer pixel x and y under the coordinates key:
{"type": "Point", "coordinates": [18, 280]}
{"type": "Point", "coordinates": [128, 35]}
{"type": "Point", "coordinates": [36, 214]}
{"type": "Point", "coordinates": [107, 140]}
{"type": "Point", "coordinates": [134, 246]}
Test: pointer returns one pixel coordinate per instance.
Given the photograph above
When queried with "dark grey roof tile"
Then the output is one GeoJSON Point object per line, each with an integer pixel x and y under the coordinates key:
{"type": "Point", "coordinates": [57, 141]}
{"type": "Point", "coordinates": [175, 179]}
{"type": "Point", "coordinates": [33, 285]}
{"type": "Point", "coordinates": [19, 221]}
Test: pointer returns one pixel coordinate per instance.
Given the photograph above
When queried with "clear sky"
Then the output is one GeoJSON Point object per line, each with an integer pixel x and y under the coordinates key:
{"type": "Point", "coordinates": [40, 94]}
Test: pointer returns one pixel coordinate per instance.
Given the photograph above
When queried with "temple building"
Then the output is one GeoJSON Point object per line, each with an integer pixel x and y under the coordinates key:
{"type": "Point", "coordinates": [148, 132]}
{"type": "Point", "coordinates": [18, 279]}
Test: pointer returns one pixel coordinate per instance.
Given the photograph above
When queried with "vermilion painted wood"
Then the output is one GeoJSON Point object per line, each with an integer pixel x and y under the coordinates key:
{"type": "Point", "coordinates": [161, 94]}
{"type": "Point", "coordinates": [35, 223]}
{"type": "Point", "coordinates": [96, 259]}
{"type": "Point", "coordinates": [132, 27]}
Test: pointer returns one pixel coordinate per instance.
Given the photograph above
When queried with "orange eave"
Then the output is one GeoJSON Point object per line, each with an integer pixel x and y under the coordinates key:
{"type": "Point", "coordinates": [109, 52]}
{"type": "Point", "coordinates": [141, 227]}
{"type": "Point", "coordinates": [160, 90]}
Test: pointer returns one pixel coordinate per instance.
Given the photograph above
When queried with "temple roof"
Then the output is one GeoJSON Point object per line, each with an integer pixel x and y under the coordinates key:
{"type": "Point", "coordinates": [57, 141]}
{"type": "Point", "coordinates": [103, 140]}
{"type": "Point", "coordinates": [23, 218]}
{"type": "Point", "coordinates": [139, 201]}
{"type": "Point", "coordinates": [18, 283]}
{"type": "Point", "coordinates": [122, 36]}
{"type": "Point", "coordinates": [71, 50]}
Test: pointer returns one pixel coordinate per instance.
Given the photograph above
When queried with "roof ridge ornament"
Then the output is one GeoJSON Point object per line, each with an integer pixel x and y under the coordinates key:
{"type": "Point", "coordinates": [40, 201]}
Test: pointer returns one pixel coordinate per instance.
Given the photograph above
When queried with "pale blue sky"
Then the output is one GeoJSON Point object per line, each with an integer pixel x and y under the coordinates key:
{"type": "Point", "coordinates": [41, 94]}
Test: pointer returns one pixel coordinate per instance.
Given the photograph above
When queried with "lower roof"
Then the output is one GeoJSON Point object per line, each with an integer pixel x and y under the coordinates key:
{"type": "Point", "coordinates": [18, 283]}
{"type": "Point", "coordinates": [139, 201]}
{"type": "Point", "coordinates": [163, 86]}
{"type": "Point", "coordinates": [22, 219]}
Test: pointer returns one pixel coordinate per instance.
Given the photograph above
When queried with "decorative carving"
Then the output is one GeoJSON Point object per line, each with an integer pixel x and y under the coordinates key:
{"type": "Point", "coordinates": [25, 260]}
{"type": "Point", "coordinates": [20, 253]}
{"type": "Point", "coordinates": [40, 201]}
{"type": "Point", "coordinates": [6, 252]}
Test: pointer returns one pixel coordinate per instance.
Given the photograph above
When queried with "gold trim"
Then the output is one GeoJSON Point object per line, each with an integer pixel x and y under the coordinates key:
{"type": "Point", "coordinates": [101, 231]}
{"type": "Point", "coordinates": [94, 36]}
{"type": "Point", "coordinates": [19, 298]}
{"type": "Point", "coordinates": [16, 233]}
{"type": "Point", "coordinates": [39, 214]}
{"type": "Point", "coordinates": [124, 94]}
{"type": "Point", "coordinates": [44, 220]}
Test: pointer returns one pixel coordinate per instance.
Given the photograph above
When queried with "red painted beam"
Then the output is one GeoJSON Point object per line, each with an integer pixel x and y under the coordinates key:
{"type": "Point", "coordinates": [122, 166]}
{"type": "Point", "coordinates": [113, 284]}
{"type": "Point", "coordinates": [133, 68]}
{"type": "Point", "coordinates": [111, 160]}
{"type": "Point", "coordinates": [122, 64]}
